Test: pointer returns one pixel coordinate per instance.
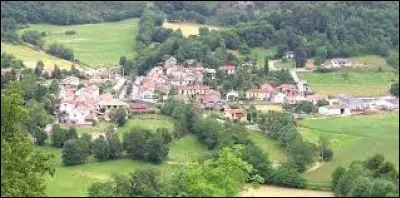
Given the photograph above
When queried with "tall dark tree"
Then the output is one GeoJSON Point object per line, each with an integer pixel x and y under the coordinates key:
{"type": "Point", "coordinates": [266, 66]}
{"type": "Point", "coordinates": [301, 57]}
{"type": "Point", "coordinates": [75, 151]}
{"type": "Point", "coordinates": [39, 68]}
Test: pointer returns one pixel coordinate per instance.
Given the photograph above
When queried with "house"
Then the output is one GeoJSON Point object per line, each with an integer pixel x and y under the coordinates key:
{"type": "Point", "coordinates": [334, 110]}
{"type": "Point", "coordinates": [170, 62]}
{"type": "Point", "coordinates": [66, 107]}
{"type": "Point", "coordinates": [111, 104]}
{"type": "Point", "coordinates": [229, 69]}
{"type": "Point", "coordinates": [193, 90]}
{"type": "Point", "coordinates": [288, 89]}
{"type": "Point", "coordinates": [211, 97]}
{"type": "Point", "coordinates": [280, 98]}
{"type": "Point", "coordinates": [384, 104]}
{"type": "Point", "coordinates": [71, 81]}
{"type": "Point", "coordinates": [352, 103]}
{"type": "Point", "coordinates": [145, 93]}
{"type": "Point", "coordinates": [257, 94]}
{"type": "Point", "coordinates": [232, 95]}
{"type": "Point", "coordinates": [294, 99]}
{"type": "Point", "coordinates": [212, 72]}
{"type": "Point", "coordinates": [336, 63]}
{"type": "Point", "coordinates": [235, 114]}
{"type": "Point", "coordinates": [82, 115]}
{"type": "Point", "coordinates": [289, 55]}
{"type": "Point", "coordinates": [247, 65]}
{"type": "Point", "coordinates": [138, 108]}
{"type": "Point", "coordinates": [303, 87]}
{"type": "Point", "coordinates": [316, 97]}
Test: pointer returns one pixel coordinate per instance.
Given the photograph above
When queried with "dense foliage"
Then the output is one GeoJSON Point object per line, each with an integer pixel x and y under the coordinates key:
{"type": "Point", "coordinates": [75, 151]}
{"type": "Point", "coordinates": [9, 61]}
{"type": "Point", "coordinates": [23, 166]}
{"type": "Point", "coordinates": [372, 177]}
{"type": "Point", "coordinates": [67, 13]}
{"type": "Point", "coordinates": [143, 144]}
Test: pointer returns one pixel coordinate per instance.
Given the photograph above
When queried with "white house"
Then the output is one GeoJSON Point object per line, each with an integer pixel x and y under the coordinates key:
{"type": "Point", "coordinates": [334, 110]}
{"type": "Point", "coordinates": [72, 80]}
{"type": "Point", "coordinates": [232, 95]}
{"type": "Point", "coordinates": [66, 107]}
{"type": "Point", "coordinates": [280, 98]}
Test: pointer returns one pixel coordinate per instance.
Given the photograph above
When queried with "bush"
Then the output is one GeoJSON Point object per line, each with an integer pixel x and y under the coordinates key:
{"type": "Point", "coordinates": [75, 152]}
{"type": "Point", "coordinates": [70, 32]}
{"type": "Point", "coordinates": [287, 175]}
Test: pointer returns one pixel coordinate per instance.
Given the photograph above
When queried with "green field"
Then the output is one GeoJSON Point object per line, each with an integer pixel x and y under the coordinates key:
{"type": "Point", "coordinates": [353, 138]}
{"type": "Point", "coordinates": [75, 180]}
{"type": "Point", "coordinates": [289, 64]}
{"type": "Point", "coordinates": [95, 44]}
{"type": "Point", "coordinates": [370, 62]}
{"type": "Point", "coordinates": [357, 83]}
{"type": "Point", "coordinates": [188, 28]}
{"type": "Point", "coordinates": [267, 145]}
{"type": "Point", "coordinates": [260, 53]}
{"type": "Point", "coordinates": [30, 57]}
{"type": "Point", "coordinates": [152, 124]}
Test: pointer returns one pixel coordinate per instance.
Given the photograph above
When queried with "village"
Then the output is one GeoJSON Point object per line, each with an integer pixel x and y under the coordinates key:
{"type": "Point", "coordinates": [80, 102]}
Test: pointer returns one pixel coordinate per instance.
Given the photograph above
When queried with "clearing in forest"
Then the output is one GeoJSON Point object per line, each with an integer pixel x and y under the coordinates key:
{"type": "Point", "coordinates": [97, 45]}
{"type": "Point", "coordinates": [188, 28]}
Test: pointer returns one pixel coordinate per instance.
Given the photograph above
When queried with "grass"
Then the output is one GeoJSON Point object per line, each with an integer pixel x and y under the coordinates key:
{"type": "Point", "coordinates": [85, 129]}
{"type": "Point", "coordinates": [373, 62]}
{"type": "Point", "coordinates": [260, 53]}
{"type": "Point", "coordinates": [267, 145]}
{"type": "Point", "coordinates": [152, 124]}
{"type": "Point", "coordinates": [30, 57]}
{"type": "Point", "coordinates": [357, 83]}
{"type": "Point", "coordinates": [266, 108]}
{"type": "Point", "coordinates": [289, 64]}
{"type": "Point", "coordinates": [75, 180]}
{"type": "Point", "coordinates": [95, 44]}
{"type": "Point", "coordinates": [353, 138]}
{"type": "Point", "coordinates": [188, 28]}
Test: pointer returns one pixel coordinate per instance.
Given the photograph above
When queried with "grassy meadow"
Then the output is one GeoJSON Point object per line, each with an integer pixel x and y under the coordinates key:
{"type": "Point", "coordinates": [356, 84]}
{"type": "Point", "coordinates": [353, 138]}
{"type": "Point", "coordinates": [30, 57]}
{"type": "Point", "coordinates": [95, 44]}
{"type": "Point", "coordinates": [75, 180]}
{"type": "Point", "coordinates": [267, 145]}
{"type": "Point", "coordinates": [188, 28]}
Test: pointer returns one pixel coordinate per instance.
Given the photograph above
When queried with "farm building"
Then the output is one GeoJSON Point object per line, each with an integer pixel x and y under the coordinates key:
{"type": "Point", "coordinates": [138, 107]}
{"type": "Point", "coordinates": [334, 110]}
{"type": "Point", "coordinates": [235, 114]}
{"type": "Point", "coordinates": [336, 63]}
{"type": "Point", "coordinates": [352, 103]}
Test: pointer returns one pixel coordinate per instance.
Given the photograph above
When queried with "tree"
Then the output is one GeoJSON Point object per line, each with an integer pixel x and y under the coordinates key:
{"type": "Point", "coordinates": [382, 188]}
{"type": "Point", "coordinates": [23, 166]}
{"type": "Point", "coordinates": [118, 116]}
{"type": "Point", "coordinates": [304, 107]}
{"type": "Point", "coordinates": [301, 57]}
{"type": "Point", "coordinates": [394, 89]}
{"type": "Point", "coordinates": [165, 134]}
{"type": "Point", "coordinates": [54, 87]}
{"type": "Point", "coordinates": [58, 136]}
{"type": "Point", "coordinates": [266, 66]}
{"type": "Point", "coordinates": [223, 176]}
{"type": "Point", "coordinates": [325, 152]}
{"type": "Point", "coordinates": [71, 134]}
{"type": "Point", "coordinates": [33, 37]}
{"type": "Point", "coordinates": [361, 187]}
{"type": "Point", "coordinates": [322, 102]}
{"type": "Point", "coordinates": [338, 173]}
{"type": "Point", "coordinates": [75, 151]}
{"type": "Point", "coordinates": [57, 72]}
{"type": "Point", "coordinates": [101, 149]}
{"type": "Point", "coordinates": [146, 183]}
{"type": "Point", "coordinates": [374, 162]}
{"type": "Point", "coordinates": [145, 145]}
{"type": "Point", "coordinates": [39, 68]}
{"type": "Point", "coordinates": [115, 146]}
{"type": "Point", "coordinates": [301, 154]}
{"type": "Point", "coordinates": [287, 175]}
{"type": "Point", "coordinates": [260, 162]}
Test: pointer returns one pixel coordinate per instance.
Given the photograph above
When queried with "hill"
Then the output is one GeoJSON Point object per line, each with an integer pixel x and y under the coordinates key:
{"type": "Point", "coordinates": [30, 57]}
{"type": "Point", "coordinates": [94, 44]}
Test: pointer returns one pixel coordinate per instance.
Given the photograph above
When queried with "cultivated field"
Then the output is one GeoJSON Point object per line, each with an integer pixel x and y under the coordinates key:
{"type": "Point", "coordinates": [30, 57]}
{"type": "Point", "coordinates": [266, 108]}
{"type": "Point", "coordinates": [356, 84]}
{"type": "Point", "coordinates": [267, 145]}
{"type": "Point", "coordinates": [188, 28]}
{"type": "Point", "coordinates": [275, 191]}
{"type": "Point", "coordinates": [75, 180]}
{"type": "Point", "coordinates": [95, 44]}
{"type": "Point", "coordinates": [289, 64]}
{"type": "Point", "coordinates": [353, 138]}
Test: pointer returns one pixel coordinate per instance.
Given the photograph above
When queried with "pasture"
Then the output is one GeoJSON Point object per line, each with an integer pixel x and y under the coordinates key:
{"type": "Point", "coordinates": [268, 145]}
{"type": "Point", "coordinates": [188, 28]}
{"type": "Point", "coordinates": [356, 84]}
{"type": "Point", "coordinates": [75, 180]}
{"type": "Point", "coordinates": [94, 44]}
{"type": "Point", "coordinates": [275, 191]}
{"type": "Point", "coordinates": [30, 57]}
{"type": "Point", "coordinates": [353, 138]}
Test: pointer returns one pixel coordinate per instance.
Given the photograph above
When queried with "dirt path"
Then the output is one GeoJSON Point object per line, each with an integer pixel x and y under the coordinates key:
{"type": "Point", "coordinates": [274, 191]}
{"type": "Point", "coordinates": [316, 166]}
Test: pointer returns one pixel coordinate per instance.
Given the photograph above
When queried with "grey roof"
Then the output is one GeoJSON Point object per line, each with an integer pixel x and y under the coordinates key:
{"type": "Point", "coordinates": [348, 100]}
